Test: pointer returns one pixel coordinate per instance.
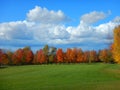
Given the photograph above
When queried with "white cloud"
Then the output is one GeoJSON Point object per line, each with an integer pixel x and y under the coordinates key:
{"type": "Point", "coordinates": [50, 33]}
{"type": "Point", "coordinates": [43, 15]}
{"type": "Point", "coordinates": [93, 17]}
{"type": "Point", "coordinates": [15, 30]}
{"type": "Point", "coordinates": [106, 30]}
{"type": "Point", "coordinates": [81, 31]}
{"type": "Point", "coordinates": [38, 30]}
{"type": "Point", "coordinates": [101, 34]}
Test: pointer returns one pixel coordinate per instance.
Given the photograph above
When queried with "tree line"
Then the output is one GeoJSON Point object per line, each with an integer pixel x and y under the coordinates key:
{"type": "Point", "coordinates": [49, 55]}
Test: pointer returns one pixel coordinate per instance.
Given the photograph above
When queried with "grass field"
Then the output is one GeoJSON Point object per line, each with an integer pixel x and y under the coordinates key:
{"type": "Point", "coordinates": [61, 77]}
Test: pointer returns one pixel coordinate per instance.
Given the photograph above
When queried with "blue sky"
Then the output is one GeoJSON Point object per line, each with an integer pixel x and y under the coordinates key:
{"type": "Point", "coordinates": [14, 10]}
{"type": "Point", "coordinates": [70, 23]}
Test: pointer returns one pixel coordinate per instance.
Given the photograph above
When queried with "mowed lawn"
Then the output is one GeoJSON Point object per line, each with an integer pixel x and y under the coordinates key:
{"type": "Point", "coordinates": [61, 77]}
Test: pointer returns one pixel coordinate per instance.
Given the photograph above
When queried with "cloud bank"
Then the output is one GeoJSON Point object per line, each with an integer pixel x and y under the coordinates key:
{"type": "Point", "coordinates": [43, 26]}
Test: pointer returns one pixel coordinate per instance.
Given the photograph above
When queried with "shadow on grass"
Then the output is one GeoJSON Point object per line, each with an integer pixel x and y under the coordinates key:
{"type": "Point", "coordinates": [3, 66]}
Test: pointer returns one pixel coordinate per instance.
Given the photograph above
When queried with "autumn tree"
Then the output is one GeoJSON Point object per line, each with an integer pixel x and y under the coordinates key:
{"type": "Point", "coordinates": [116, 45]}
{"type": "Point", "coordinates": [3, 58]}
{"type": "Point", "coordinates": [18, 57]}
{"type": "Point", "coordinates": [40, 57]}
{"type": "Point", "coordinates": [10, 54]}
{"type": "Point", "coordinates": [79, 56]}
{"type": "Point", "coordinates": [105, 55]}
{"type": "Point", "coordinates": [60, 55]}
{"type": "Point", "coordinates": [65, 60]}
{"type": "Point", "coordinates": [23, 56]}
{"type": "Point", "coordinates": [68, 55]}
{"type": "Point", "coordinates": [28, 55]}
{"type": "Point", "coordinates": [86, 56]}
{"type": "Point", "coordinates": [73, 55]}
{"type": "Point", "coordinates": [92, 56]}
{"type": "Point", "coordinates": [45, 55]}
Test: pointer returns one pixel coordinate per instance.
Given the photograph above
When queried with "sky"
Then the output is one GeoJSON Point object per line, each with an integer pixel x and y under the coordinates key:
{"type": "Point", "coordinates": [86, 24]}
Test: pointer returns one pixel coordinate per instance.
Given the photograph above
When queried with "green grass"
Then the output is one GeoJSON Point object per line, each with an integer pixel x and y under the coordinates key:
{"type": "Point", "coordinates": [61, 77]}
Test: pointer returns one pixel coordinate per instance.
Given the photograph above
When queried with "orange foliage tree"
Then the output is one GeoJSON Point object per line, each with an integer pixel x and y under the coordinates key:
{"type": "Point", "coordinates": [73, 55]}
{"type": "Point", "coordinates": [68, 55]}
{"type": "Point", "coordinates": [23, 56]}
{"type": "Point", "coordinates": [79, 56]}
{"type": "Point", "coordinates": [28, 55]}
{"type": "Point", "coordinates": [60, 55]}
{"type": "Point", "coordinates": [3, 58]}
{"type": "Point", "coordinates": [40, 57]}
{"type": "Point", "coordinates": [86, 56]}
{"type": "Point", "coordinates": [105, 55]}
{"type": "Point", "coordinates": [18, 57]}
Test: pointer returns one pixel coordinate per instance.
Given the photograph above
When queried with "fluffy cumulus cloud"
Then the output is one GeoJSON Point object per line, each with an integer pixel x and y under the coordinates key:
{"type": "Point", "coordinates": [43, 15]}
{"type": "Point", "coordinates": [43, 26]}
{"type": "Point", "coordinates": [15, 30]}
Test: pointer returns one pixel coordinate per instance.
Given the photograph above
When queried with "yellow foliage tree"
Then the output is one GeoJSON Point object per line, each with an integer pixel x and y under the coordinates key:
{"type": "Point", "coordinates": [116, 45]}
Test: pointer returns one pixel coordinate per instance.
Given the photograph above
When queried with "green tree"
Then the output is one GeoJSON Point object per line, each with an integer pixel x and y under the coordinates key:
{"type": "Point", "coordinates": [52, 54]}
{"type": "Point", "coordinates": [46, 52]}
